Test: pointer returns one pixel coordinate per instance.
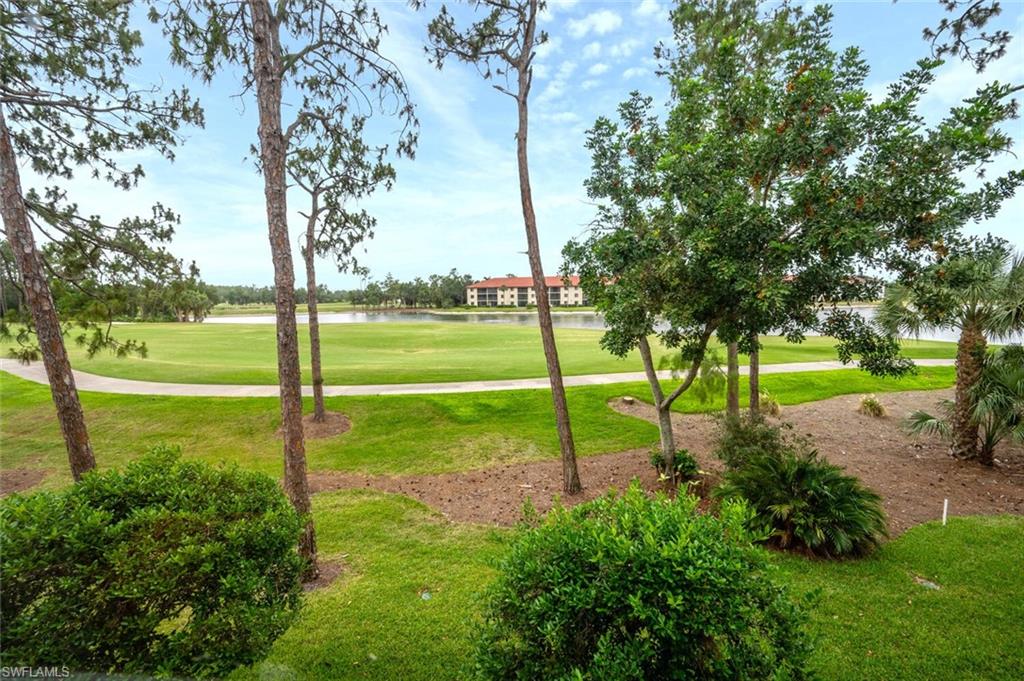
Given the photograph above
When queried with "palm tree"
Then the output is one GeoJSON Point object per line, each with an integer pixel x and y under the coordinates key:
{"type": "Point", "coordinates": [997, 404]}
{"type": "Point", "coordinates": [983, 297]}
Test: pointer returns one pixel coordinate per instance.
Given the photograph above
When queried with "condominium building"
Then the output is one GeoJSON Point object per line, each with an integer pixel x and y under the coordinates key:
{"type": "Point", "coordinates": [518, 292]}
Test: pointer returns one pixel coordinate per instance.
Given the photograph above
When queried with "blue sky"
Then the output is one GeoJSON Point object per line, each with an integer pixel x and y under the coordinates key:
{"type": "Point", "coordinates": [457, 204]}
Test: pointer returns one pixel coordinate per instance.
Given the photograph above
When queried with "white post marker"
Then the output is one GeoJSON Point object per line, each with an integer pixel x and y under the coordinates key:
{"type": "Point", "coordinates": [945, 510]}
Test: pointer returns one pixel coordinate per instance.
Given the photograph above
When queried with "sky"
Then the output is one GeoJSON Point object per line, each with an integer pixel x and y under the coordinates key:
{"type": "Point", "coordinates": [456, 205]}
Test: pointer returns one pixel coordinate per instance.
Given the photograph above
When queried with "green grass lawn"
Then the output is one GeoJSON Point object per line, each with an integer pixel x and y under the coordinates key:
{"type": "Point", "coordinates": [390, 434]}
{"type": "Point", "coordinates": [869, 617]}
{"type": "Point", "coordinates": [394, 353]}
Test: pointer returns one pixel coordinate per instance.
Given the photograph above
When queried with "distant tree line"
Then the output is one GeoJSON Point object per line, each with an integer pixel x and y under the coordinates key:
{"type": "Point", "coordinates": [436, 290]}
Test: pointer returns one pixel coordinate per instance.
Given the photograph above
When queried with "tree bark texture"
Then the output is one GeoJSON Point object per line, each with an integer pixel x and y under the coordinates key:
{"type": "Point", "coordinates": [755, 380]}
{"type": "Point", "coordinates": [319, 411]}
{"type": "Point", "coordinates": [732, 393]}
{"type": "Point", "coordinates": [970, 360]}
{"type": "Point", "coordinates": [267, 70]}
{"type": "Point", "coordinates": [39, 300]}
{"type": "Point", "coordinates": [668, 444]}
{"type": "Point", "coordinates": [570, 474]}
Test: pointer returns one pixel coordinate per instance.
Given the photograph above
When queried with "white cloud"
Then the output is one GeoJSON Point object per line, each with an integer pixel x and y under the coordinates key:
{"type": "Point", "coordinates": [592, 50]}
{"type": "Point", "coordinates": [589, 84]}
{"type": "Point", "coordinates": [633, 72]}
{"type": "Point", "coordinates": [556, 6]}
{"type": "Point", "coordinates": [648, 8]}
{"type": "Point", "coordinates": [600, 22]}
{"type": "Point", "coordinates": [625, 48]}
{"type": "Point", "coordinates": [556, 87]}
{"type": "Point", "coordinates": [541, 71]}
{"type": "Point", "coordinates": [548, 48]}
{"type": "Point", "coordinates": [597, 69]}
{"type": "Point", "coordinates": [561, 117]}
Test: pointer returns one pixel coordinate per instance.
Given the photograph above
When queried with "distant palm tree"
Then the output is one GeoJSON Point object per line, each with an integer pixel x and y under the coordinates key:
{"type": "Point", "coordinates": [981, 296]}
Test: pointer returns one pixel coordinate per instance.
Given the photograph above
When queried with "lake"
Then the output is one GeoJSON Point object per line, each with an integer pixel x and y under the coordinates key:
{"type": "Point", "coordinates": [567, 319]}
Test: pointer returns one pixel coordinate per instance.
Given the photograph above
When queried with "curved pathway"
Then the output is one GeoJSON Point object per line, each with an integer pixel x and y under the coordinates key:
{"type": "Point", "coordinates": [105, 384]}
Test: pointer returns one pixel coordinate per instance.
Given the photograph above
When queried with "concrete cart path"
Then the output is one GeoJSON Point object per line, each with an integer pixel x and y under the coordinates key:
{"type": "Point", "coordinates": [105, 384]}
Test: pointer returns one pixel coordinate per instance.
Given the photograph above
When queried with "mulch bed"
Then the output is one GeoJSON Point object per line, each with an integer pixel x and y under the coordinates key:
{"type": "Point", "coordinates": [913, 475]}
{"type": "Point", "coordinates": [20, 479]}
{"type": "Point", "coordinates": [334, 424]}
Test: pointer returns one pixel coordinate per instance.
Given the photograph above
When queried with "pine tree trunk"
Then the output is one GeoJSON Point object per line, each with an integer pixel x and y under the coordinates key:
{"type": "Point", "coordinates": [319, 412]}
{"type": "Point", "coordinates": [570, 474]}
{"type": "Point", "coordinates": [267, 71]}
{"type": "Point", "coordinates": [732, 393]}
{"type": "Point", "coordinates": [970, 359]}
{"type": "Point", "coordinates": [39, 300]}
{"type": "Point", "coordinates": [755, 380]}
{"type": "Point", "coordinates": [668, 444]}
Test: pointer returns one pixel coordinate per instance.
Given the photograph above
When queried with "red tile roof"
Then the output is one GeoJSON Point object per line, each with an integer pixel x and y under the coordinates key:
{"type": "Point", "coordinates": [523, 282]}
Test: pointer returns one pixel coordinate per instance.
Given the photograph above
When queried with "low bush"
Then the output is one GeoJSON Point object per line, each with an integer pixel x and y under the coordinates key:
{"type": "Point", "coordinates": [684, 463]}
{"type": "Point", "coordinates": [770, 405]}
{"type": "Point", "coordinates": [739, 439]}
{"type": "Point", "coordinates": [803, 502]}
{"type": "Point", "coordinates": [632, 587]}
{"type": "Point", "coordinates": [169, 568]}
{"type": "Point", "coordinates": [870, 406]}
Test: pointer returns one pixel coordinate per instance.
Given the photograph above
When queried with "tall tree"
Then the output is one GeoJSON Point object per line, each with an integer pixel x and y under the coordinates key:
{"type": "Point", "coordinates": [327, 56]}
{"type": "Point", "coordinates": [502, 45]}
{"type": "Point", "coordinates": [333, 165]}
{"type": "Point", "coordinates": [772, 187]}
{"type": "Point", "coordinates": [69, 103]}
{"type": "Point", "coordinates": [981, 296]}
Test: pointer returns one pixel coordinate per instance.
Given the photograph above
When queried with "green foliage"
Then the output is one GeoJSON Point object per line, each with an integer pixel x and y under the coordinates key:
{"type": "Point", "coordinates": [684, 463]}
{"type": "Point", "coordinates": [741, 439]}
{"type": "Point", "coordinates": [74, 107]}
{"type": "Point", "coordinates": [631, 587]}
{"type": "Point", "coordinates": [803, 502]}
{"type": "Point", "coordinates": [870, 406]}
{"type": "Point", "coordinates": [997, 404]}
{"type": "Point", "coordinates": [168, 567]}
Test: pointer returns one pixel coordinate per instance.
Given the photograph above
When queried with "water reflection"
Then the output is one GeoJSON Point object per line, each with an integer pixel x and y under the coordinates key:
{"type": "Point", "coordinates": [566, 319]}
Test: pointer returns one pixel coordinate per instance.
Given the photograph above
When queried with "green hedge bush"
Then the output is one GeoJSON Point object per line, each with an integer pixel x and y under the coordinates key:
{"type": "Point", "coordinates": [168, 568]}
{"type": "Point", "coordinates": [683, 461]}
{"type": "Point", "coordinates": [631, 587]}
{"type": "Point", "coordinates": [803, 502]}
{"type": "Point", "coordinates": [742, 438]}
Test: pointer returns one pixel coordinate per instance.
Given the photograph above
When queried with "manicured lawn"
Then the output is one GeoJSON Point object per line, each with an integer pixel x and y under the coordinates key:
{"type": "Point", "coordinates": [394, 353]}
{"type": "Point", "coordinates": [229, 310]}
{"type": "Point", "coordinates": [871, 620]}
{"type": "Point", "coordinates": [390, 434]}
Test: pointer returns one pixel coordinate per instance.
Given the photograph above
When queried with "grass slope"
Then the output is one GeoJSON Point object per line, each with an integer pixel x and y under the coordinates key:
{"type": "Point", "coordinates": [390, 434]}
{"type": "Point", "coordinates": [394, 353]}
{"type": "Point", "coordinates": [871, 620]}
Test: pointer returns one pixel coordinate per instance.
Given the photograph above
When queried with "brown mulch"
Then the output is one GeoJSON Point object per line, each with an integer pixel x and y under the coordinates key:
{"type": "Point", "coordinates": [913, 475]}
{"type": "Point", "coordinates": [334, 424]}
{"type": "Point", "coordinates": [330, 570]}
{"type": "Point", "coordinates": [20, 479]}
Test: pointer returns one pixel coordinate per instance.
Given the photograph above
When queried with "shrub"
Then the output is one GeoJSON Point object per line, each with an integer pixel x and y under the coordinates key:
{"type": "Point", "coordinates": [168, 567]}
{"type": "Point", "coordinates": [770, 405]}
{"type": "Point", "coordinates": [870, 406]}
{"type": "Point", "coordinates": [802, 501]}
{"type": "Point", "coordinates": [684, 463]}
{"type": "Point", "coordinates": [631, 587]}
{"type": "Point", "coordinates": [740, 439]}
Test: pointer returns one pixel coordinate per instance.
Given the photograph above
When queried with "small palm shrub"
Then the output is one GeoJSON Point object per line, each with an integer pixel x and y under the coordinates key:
{"type": "Point", "coordinates": [685, 465]}
{"type": "Point", "coordinates": [997, 404]}
{"type": "Point", "coordinates": [803, 502]}
{"type": "Point", "coordinates": [632, 587]}
{"type": "Point", "coordinates": [870, 406]}
{"type": "Point", "coordinates": [740, 438]}
{"type": "Point", "coordinates": [169, 568]}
